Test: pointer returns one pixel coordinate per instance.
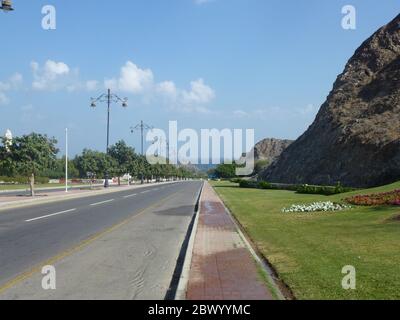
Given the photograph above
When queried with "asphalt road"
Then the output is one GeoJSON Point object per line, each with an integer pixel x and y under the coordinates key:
{"type": "Point", "coordinates": [122, 245]}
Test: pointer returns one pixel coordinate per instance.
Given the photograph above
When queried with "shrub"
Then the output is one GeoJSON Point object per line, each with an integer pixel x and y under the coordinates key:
{"type": "Point", "coordinates": [264, 185]}
{"type": "Point", "coordinates": [23, 180]}
{"type": "Point", "coordinates": [248, 184]}
{"type": "Point", "coordinates": [304, 189]}
{"type": "Point", "coordinates": [323, 190]}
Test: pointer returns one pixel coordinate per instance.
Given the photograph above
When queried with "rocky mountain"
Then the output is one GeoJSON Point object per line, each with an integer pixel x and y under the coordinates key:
{"type": "Point", "coordinates": [355, 138]}
{"type": "Point", "coordinates": [270, 149]}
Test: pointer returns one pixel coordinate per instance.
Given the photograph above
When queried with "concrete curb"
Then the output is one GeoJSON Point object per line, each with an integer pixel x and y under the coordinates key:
{"type": "Point", "coordinates": [50, 188]}
{"type": "Point", "coordinates": [184, 279]}
{"type": "Point", "coordinates": [259, 260]}
{"type": "Point", "coordinates": [39, 201]}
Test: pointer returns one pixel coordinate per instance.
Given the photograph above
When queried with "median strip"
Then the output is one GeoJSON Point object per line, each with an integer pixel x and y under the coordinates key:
{"type": "Point", "coordinates": [50, 215]}
{"type": "Point", "coordinates": [102, 202]}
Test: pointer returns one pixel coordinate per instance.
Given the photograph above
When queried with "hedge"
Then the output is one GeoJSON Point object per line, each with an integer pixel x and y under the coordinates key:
{"type": "Point", "coordinates": [303, 189]}
{"type": "Point", "coordinates": [22, 180]}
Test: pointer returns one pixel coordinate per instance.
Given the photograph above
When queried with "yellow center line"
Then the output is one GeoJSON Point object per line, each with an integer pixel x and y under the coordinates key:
{"type": "Point", "coordinates": [27, 274]}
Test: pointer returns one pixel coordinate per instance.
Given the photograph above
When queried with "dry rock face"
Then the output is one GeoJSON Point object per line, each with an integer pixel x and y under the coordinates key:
{"type": "Point", "coordinates": [355, 138]}
{"type": "Point", "coordinates": [270, 149]}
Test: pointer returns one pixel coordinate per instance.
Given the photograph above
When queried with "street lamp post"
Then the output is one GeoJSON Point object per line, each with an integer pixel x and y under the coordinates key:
{"type": "Point", "coordinates": [109, 98]}
{"type": "Point", "coordinates": [6, 5]}
{"type": "Point", "coordinates": [142, 127]}
{"type": "Point", "coordinates": [66, 160]}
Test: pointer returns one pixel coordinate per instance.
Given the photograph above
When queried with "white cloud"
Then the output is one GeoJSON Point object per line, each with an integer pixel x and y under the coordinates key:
{"type": "Point", "coordinates": [12, 83]}
{"type": "Point", "coordinates": [53, 75]}
{"type": "Point", "coordinates": [132, 79]}
{"type": "Point", "coordinates": [46, 77]}
{"type": "Point", "coordinates": [240, 113]}
{"type": "Point", "coordinates": [138, 81]}
{"type": "Point", "coordinates": [92, 85]}
{"type": "Point", "coordinates": [59, 76]}
{"type": "Point", "coordinates": [3, 99]}
{"type": "Point", "coordinates": [199, 93]}
{"type": "Point", "coordinates": [168, 89]}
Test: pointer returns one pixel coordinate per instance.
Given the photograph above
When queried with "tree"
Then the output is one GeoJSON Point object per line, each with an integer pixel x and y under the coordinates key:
{"type": "Point", "coordinates": [123, 156]}
{"type": "Point", "coordinates": [28, 155]}
{"type": "Point", "coordinates": [225, 171]}
{"type": "Point", "coordinates": [94, 162]}
{"type": "Point", "coordinates": [58, 170]}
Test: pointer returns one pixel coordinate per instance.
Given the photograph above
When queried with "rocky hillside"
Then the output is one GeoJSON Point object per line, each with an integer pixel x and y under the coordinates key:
{"type": "Point", "coordinates": [270, 149]}
{"type": "Point", "coordinates": [355, 138]}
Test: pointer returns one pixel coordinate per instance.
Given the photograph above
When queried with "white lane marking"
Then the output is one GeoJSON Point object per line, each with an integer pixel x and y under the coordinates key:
{"type": "Point", "coordinates": [131, 195]}
{"type": "Point", "coordinates": [145, 191]}
{"type": "Point", "coordinates": [102, 202]}
{"type": "Point", "coordinates": [50, 215]}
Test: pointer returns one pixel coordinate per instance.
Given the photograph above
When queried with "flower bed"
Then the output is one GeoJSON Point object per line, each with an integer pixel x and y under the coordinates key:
{"type": "Point", "coordinates": [376, 199]}
{"type": "Point", "coordinates": [327, 206]}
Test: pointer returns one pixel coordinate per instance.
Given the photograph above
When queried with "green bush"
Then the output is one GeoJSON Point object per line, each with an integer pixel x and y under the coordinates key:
{"type": "Point", "coordinates": [236, 180]}
{"type": "Point", "coordinates": [248, 184]}
{"type": "Point", "coordinates": [303, 189]}
{"type": "Point", "coordinates": [23, 180]}
{"type": "Point", "coordinates": [265, 185]}
{"type": "Point", "coordinates": [322, 190]}
{"type": "Point", "coordinates": [14, 180]}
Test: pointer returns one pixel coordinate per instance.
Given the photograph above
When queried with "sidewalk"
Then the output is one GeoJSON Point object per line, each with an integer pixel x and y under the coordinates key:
{"type": "Point", "coordinates": [14, 201]}
{"type": "Point", "coordinates": [222, 267]}
{"type": "Point", "coordinates": [8, 199]}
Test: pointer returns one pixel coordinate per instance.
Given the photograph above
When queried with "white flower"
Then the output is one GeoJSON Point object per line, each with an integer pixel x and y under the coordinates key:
{"type": "Point", "coordinates": [315, 207]}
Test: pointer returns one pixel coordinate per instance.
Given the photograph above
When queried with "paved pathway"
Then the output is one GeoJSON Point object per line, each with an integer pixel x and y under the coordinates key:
{"type": "Point", "coordinates": [43, 195]}
{"type": "Point", "coordinates": [222, 267]}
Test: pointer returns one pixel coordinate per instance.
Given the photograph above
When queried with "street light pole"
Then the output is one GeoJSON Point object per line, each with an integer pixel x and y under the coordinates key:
{"type": "Point", "coordinates": [108, 118]}
{"type": "Point", "coordinates": [66, 159]}
{"type": "Point", "coordinates": [6, 5]}
{"type": "Point", "coordinates": [142, 135]}
{"type": "Point", "coordinates": [142, 126]}
{"type": "Point", "coordinates": [109, 98]}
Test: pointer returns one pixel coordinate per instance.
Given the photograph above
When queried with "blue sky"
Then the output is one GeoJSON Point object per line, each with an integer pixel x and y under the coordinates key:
{"type": "Point", "coordinates": [259, 64]}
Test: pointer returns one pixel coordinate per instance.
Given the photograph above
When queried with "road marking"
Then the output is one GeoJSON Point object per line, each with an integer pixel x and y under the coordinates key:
{"type": "Point", "coordinates": [131, 195]}
{"type": "Point", "coordinates": [145, 191]}
{"type": "Point", "coordinates": [102, 202]}
{"type": "Point", "coordinates": [25, 275]}
{"type": "Point", "coordinates": [50, 215]}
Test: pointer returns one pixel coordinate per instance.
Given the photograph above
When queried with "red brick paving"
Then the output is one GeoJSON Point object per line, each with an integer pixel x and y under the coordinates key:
{"type": "Point", "coordinates": [222, 267]}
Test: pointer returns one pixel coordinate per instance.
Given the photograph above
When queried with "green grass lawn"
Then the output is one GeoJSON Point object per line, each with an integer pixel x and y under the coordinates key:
{"type": "Point", "coordinates": [309, 250]}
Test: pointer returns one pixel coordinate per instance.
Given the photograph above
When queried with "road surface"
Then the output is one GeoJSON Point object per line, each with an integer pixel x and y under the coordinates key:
{"type": "Point", "coordinates": [122, 245]}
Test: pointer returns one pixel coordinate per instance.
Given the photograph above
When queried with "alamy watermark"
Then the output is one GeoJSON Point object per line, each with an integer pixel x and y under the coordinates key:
{"type": "Point", "coordinates": [49, 279]}
{"type": "Point", "coordinates": [208, 146]}
{"type": "Point", "coordinates": [349, 280]}
{"type": "Point", "coordinates": [49, 21]}
{"type": "Point", "coordinates": [349, 21]}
